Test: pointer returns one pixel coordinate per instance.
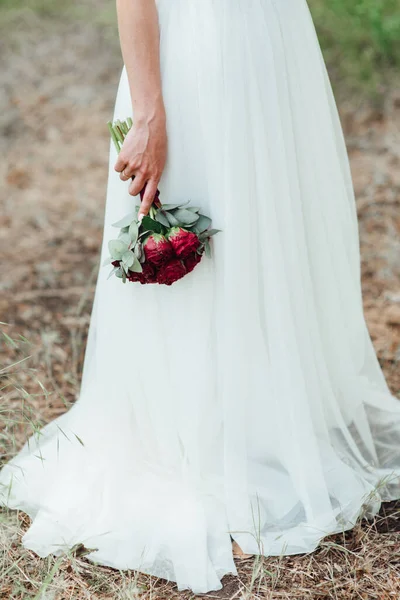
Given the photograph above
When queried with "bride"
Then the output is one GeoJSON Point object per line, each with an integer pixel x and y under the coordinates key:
{"type": "Point", "coordinates": [245, 402]}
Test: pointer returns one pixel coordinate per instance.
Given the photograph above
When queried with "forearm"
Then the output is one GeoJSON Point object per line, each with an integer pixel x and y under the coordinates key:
{"type": "Point", "coordinates": [139, 36]}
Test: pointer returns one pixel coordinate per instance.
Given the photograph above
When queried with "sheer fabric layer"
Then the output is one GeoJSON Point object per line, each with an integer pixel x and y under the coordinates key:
{"type": "Point", "coordinates": [246, 399]}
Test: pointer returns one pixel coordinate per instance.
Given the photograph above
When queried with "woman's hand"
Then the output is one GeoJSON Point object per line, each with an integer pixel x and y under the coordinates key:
{"type": "Point", "coordinates": [144, 151]}
{"type": "Point", "coordinates": [143, 157]}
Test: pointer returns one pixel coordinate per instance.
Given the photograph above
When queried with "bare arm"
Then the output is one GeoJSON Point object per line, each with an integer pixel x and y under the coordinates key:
{"type": "Point", "coordinates": [144, 151]}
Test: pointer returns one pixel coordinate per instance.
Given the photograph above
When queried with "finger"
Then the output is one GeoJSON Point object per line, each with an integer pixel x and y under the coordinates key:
{"type": "Point", "coordinates": [130, 170]}
{"type": "Point", "coordinates": [149, 194]}
{"type": "Point", "coordinates": [137, 184]}
{"type": "Point", "coordinates": [120, 164]}
{"type": "Point", "coordinates": [124, 175]}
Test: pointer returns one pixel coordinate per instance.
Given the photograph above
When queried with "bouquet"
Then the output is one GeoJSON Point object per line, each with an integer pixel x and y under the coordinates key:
{"type": "Point", "coordinates": [166, 244]}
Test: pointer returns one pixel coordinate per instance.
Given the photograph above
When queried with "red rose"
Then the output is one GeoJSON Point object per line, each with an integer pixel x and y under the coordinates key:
{"type": "Point", "coordinates": [184, 242]}
{"type": "Point", "coordinates": [136, 277]}
{"type": "Point", "coordinates": [148, 275]}
{"type": "Point", "coordinates": [171, 272]}
{"type": "Point", "coordinates": [157, 249]}
{"type": "Point", "coordinates": [191, 261]}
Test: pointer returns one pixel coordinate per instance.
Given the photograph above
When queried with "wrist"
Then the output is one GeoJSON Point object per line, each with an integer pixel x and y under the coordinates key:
{"type": "Point", "coordinates": [152, 111]}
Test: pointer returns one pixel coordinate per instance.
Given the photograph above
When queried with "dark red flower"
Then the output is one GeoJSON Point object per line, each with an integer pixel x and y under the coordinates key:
{"type": "Point", "coordinates": [171, 272]}
{"type": "Point", "coordinates": [191, 261]}
{"type": "Point", "coordinates": [148, 275]}
{"type": "Point", "coordinates": [157, 249]}
{"type": "Point", "coordinates": [139, 277]}
{"type": "Point", "coordinates": [184, 242]}
{"type": "Point", "coordinates": [116, 263]}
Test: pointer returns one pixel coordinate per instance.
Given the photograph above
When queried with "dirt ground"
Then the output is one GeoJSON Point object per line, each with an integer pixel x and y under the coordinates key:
{"type": "Point", "coordinates": [58, 86]}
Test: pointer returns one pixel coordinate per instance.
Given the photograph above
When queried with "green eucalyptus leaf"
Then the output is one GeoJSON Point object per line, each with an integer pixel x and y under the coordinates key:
{"type": "Point", "coordinates": [202, 223]}
{"type": "Point", "coordinates": [107, 261]}
{"type": "Point", "coordinates": [124, 237]}
{"type": "Point", "coordinates": [172, 221]}
{"type": "Point", "coordinates": [113, 272]}
{"type": "Point", "coordinates": [194, 209]}
{"type": "Point", "coordinates": [136, 266]}
{"type": "Point", "coordinates": [118, 272]}
{"type": "Point", "coordinates": [126, 221]}
{"type": "Point", "coordinates": [168, 207]}
{"type": "Point", "coordinates": [192, 224]}
{"type": "Point", "coordinates": [209, 233]}
{"type": "Point", "coordinates": [138, 250]}
{"type": "Point", "coordinates": [207, 248]}
{"type": "Point", "coordinates": [185, 217]}
{"type": "Point", "coordinates": [133, 232]}
{"type": "Point", "coordinates": [117, 248]}
{"type": "Point", "coordinates": [124, 273]}
{"type": "Point", "coordinates": [161, 217]}
{"type": "Point", "coordinates": [128, 259]}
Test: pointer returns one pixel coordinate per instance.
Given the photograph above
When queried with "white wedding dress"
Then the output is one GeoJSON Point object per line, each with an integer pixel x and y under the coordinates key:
{"type": "Point", "coordinates": [245, 400]}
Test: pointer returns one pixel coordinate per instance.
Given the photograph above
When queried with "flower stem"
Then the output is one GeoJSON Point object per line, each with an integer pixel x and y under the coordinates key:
{"type": "Point", "coordinates": [113, 136]}
{"type": "Point", "coordinates": [119, 135]}
{"type": "Point", "coordinates": [124, 127]}
{"type": "Point", "coordinates": [118, 131]}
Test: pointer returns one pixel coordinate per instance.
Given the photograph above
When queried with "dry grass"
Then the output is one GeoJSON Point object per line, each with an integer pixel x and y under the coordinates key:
{"type": "Point", "coordinates": [363, 563]}
{"type": "Point", "coordinates": [59, 80]}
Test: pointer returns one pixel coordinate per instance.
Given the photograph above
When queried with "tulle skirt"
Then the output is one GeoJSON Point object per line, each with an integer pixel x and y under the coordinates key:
{"type": "Point", "coordinates": [245, 400]}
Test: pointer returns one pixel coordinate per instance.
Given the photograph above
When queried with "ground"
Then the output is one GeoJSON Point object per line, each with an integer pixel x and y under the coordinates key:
{"type": "Point", "coordinates": [58, 81]}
